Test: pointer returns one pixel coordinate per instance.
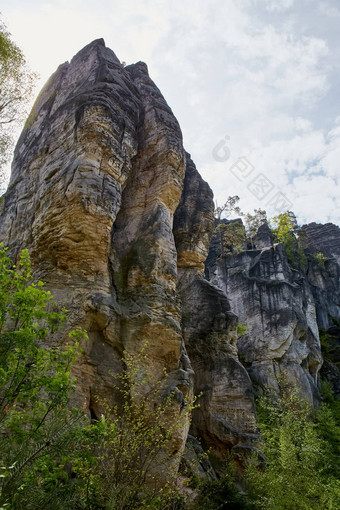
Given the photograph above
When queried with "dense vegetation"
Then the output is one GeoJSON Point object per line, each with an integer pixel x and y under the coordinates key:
{"type": "Point", "coordinates": [53, 456]}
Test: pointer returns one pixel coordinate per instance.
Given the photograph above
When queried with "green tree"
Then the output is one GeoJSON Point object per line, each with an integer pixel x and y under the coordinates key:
{"type": "Point", "coordinates": [287, 231]}
{"type": "Point", "coordinates": [320, 259]}
{"type": "Point", "coordinates": [16, 85]}
{"type": "Point", "coordinates": [134, 444]}
{"type": "Point", "coordinates": [52, 456]}
{"type": "Point", "coordinates": [328, 422]}
{"type": "Point", "coordinates": [253, 222]}
{"type": "Point", "coordinates": [295, 476]}
{"type": "Point", "coordinates": [232, 236]}
{"type": "Point", "coordinates": [36, 426]}
{"type": "Point", "coordinates": [227, 208]}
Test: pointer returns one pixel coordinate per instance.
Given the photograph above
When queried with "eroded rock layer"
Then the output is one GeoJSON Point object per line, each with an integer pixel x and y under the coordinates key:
{"type": "Point", "coordinates": [275, 305]}
{"type": "Point", "coordinates": [98, 174]}
{"type": "Point", "coordinates": [96, 178]}
{"type": "Point", "coordinates": [118, 222]}
{"type": "Point", "coordinates": [226, 415]}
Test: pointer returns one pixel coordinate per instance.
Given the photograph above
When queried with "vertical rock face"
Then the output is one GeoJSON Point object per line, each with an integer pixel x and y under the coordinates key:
{"type": "Point", "coordinates": [98, 175]}
{"type": "Point", "coordinates": [226, 415]}
{"type": "Point", "coordinates": [96, 178]}
{"type": "Point", "coordinates": [324, 276]}
{"type": "Point", "coordinates": [324, 239]}
{"type": "Point", "coordinates": [275, 303]}
{"type": "Point", "coordinates": [118, 223]}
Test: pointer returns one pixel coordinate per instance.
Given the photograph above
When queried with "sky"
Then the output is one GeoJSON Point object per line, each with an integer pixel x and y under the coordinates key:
{"type": "Point", "coordinates": [254, 85]}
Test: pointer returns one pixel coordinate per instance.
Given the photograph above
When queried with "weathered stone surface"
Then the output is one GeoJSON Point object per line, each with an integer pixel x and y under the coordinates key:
{"type": "Point", "coordinates": [264, 237]}
{"type": "Point", "coordinates": [276, 305]}
{"type": "Point", "coordinates": [193, 223]}
{"type": "Point", "coordinates": [331, 373]}
{"type": "Point", "coordinates": [226, 414]}
{"type": "Point", "coordinates": [215, 248]}
{"type": "Point", "coordinates": [195, 461]}
{"type": "Point", "coordinates": [324, 276]}
{"type": "Point", "coordinates": [242, 454]}
{"type": "Point", "coordinates": [97, 175]}
{"type": "Point", "coordinates": [118, 223]}
{"type": "Point", "coordinates": [323, 238]}
{"type": "Point", "coordinates": [324, 281]}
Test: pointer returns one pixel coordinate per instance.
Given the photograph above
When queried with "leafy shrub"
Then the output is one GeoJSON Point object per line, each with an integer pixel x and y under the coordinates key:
{"type": "Point", "coordinates": [320, 259]}
{"type": "Point", "coordinates": [297, 456]}
{"type": "Point", "coordinates": [36, 426]}
{"type": "Point", "coordinates": [241, 329]}
{"type": "Point", "coordinates": [134, 445]}
{"type": "Point", "coordinates": [287, 231]}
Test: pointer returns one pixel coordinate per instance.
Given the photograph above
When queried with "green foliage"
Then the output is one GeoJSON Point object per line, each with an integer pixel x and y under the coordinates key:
{"type": "Point", "coordinates": [296, 474]}
{"type": "Point", "coordinates": [324, 343]}
{"type": "Point", "coordinates": [16, 84]}
{"type": "Point", "coordinates": [287, 231]}
{"type": "Point", "coordinates": [253, 222]}
{"type": "Point", "coordinates": [36, 427]}
{"type": "Point", "coordinates": [232, 236]}
{"type": "Point", "coordinates": [328, 422]}
{"type": "Point", "coordinates": [329, 343]}
{"type": "Point", "coordinates": [241, 329]}
{"type": "Point", "coordinates": [134, 444]}
{"type": "Point", "coordinates": [320, 259]}
{"type": "Point", "coordinates": [51, 456]}
{"type": "Point", "coordinates": [221, 493]}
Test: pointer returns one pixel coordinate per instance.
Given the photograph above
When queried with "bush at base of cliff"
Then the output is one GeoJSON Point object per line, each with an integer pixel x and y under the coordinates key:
{"type": "Point", "coordinates": [297, 474]}
{"type": "Point", "coordinates": [37, 430]}
{"type": "Point", "coordinates": [221, 494]}
{"type": "Point", "coordinates": [328, 427]}
{"type": "Point", "coordinates": [133, 451]}
{"type": "Point", "coordinates": [51, 456]}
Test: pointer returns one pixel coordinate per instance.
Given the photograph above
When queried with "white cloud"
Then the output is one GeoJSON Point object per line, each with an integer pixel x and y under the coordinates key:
{"type": "Point", "coordinates": [327, 9]}
{"type": "Point", "coordinates": [258, 71]}
{"type": "Point", "coordinates": [278, 5]}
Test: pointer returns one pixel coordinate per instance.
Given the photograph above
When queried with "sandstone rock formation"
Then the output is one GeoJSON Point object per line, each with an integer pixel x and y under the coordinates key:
{"type": "Point", "coordinates": [118, 223]}
{"type": "Point", "coordinates": [324, 239]}
{"type": "Point", "coordinates": [97, 176]}
{"type": "Point", "coordinates": [324, 277]}
{"type": "Point", "coordinates": [226, 415]}
{"type": "Point", "coordinates": [276, 305]}
{"type": "Point", "coordinates": [284, 309]}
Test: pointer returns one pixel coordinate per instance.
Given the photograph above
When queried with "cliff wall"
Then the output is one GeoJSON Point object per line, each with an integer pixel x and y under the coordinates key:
{"type": "Point", "coordinates": [98, 175]}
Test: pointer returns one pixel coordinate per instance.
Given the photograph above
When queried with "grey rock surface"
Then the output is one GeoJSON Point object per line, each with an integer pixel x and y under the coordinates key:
{"type": "Point", "coordinates": [324, 238]}
{"type": "Point", "coordinates": [276, 305]}
{"type": "Point", "coordinates": [98, 175]}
